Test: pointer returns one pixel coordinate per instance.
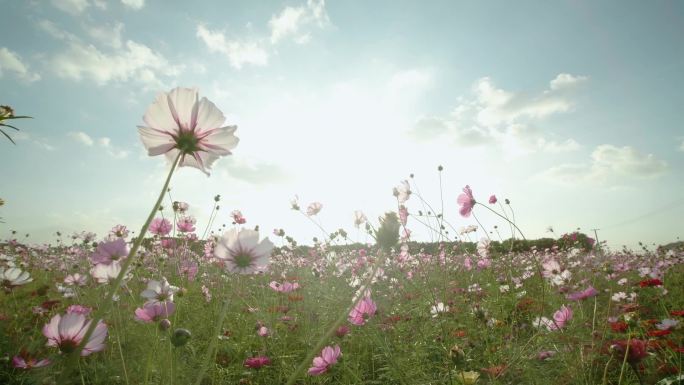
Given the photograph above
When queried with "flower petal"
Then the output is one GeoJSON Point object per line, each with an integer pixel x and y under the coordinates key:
{"type": "Point", "coordinates": [208, 115]}
{"type": "Point", "coordinates": [183, 105]}
{"type": "Point", "coordinates": [155, 141]}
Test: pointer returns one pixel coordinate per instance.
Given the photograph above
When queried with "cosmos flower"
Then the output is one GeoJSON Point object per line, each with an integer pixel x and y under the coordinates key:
{"type": "Point", "coordinates": [109, 251]}
{"type": "Point", "coordinates": [466, 201]}
{"type": "Point", "coordinates": [359, 218]}
{"type": "Point", "coordinates": [492, 199]}
{"type": "Point", "coordinates": [582, 295]}
{"type": "Point", "coordinates": [363, 310]}
{"type": "Point", "coordinates": [160, 226]}
{"type": "Point", "coordinates": [159, 291]}
{"type": "Point", "coordinates": [154, 311]}
{"type": "Point", "coordinates": [635, 349]}
{"type": "Point", "coordinates": [180, 207]}
{"type": "Point", "coordinates": [321, 364]}
{"type": "Point", "coordinates": [238, 218]}
{"type": "Point", "coordinates": [186, 224]}
{"type": "Point", "coordinates": [76, 279]}
{"type": "Point", "coordinates": [119, 231]}
{"type": "Point", "coordinates": [402, 192]}
{"type": "Point", "coordinates": [66, 332]}
{"type": "Point", "coordinates": [25, 361]}
{"type": "Point", "coordinates": [242, 252]}
{"type": "Point", "coordinates": [257, 362]}
{"type": "Point", "coordinates": [438, 308]}
{"type": "Point", "coordinates": [285, 287]}
{"type": "Point", "coordinates": [314, 208]}
{"type": "Point", "coordinates": [180, 122]}
{"type": "Point", "coordinates": [103, 273]}
{"type": "Point", "coordinates": [14, 276]}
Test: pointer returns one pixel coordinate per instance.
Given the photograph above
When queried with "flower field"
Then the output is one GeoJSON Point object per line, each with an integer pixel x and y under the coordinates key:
{"type": "Point", "coordinates": [236, 309]}
{"type": "Point", "coordinates": [175, 304]}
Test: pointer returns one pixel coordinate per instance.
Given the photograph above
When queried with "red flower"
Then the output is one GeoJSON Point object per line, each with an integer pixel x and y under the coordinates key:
{"type": "Point", "coordinates": [636, 350]}
{"type": "Point", "coordinates": [659, 333]}
{"type": "Point", "coordinates": [651, 282]}
{"type": "Point", "coordinates": [677, 313]}
{"type": "Point", "coordinates": [618, 327]}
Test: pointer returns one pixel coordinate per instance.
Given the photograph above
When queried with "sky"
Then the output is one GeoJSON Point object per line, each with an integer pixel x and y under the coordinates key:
{"type": "Point", "coordinates": [569, 109]}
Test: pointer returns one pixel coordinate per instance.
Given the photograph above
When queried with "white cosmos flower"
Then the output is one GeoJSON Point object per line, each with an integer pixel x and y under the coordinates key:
{"type": "Point", "coordinates": [242, 252]}
{"type": "Point", "coordinates": [159, 291]}
{"type": "Point", "coordinates": [178, 121]}
{"type": "Point", "coordinates": [14, 276]}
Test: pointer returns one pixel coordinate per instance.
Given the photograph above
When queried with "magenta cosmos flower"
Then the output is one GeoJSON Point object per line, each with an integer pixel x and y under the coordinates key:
{"type": "Point", "coordinates": [109, 251]}
{"type": "Point", "coordinates": [466, 201]}
{"type": "Point", "coordinates": [178, 121]}
{"type": "Point", "coordinates": [582, 295]}
{"type": "Point", "coordinates": [160, 226]}
{"type": "Point", "coordinates": [363, 310]}
{"type": "Point", "coordinates": [329, 356]}
{"type": "Point", "coordinates": [242, 252]}
{"type": "Point", "coordinates": [66, 332]}
{"type": "Point", "coordinates": [25, 361]}
{"type": "Point", "coordinates": [154, 311]}
{"type": "Point", "coordinates": [257, 362]}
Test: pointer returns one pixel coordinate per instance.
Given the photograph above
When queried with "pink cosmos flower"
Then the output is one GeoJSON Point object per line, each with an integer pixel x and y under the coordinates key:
{"type": "Point", "coordinates": [75, 279]}
{"type": "Point", "coordinates": [263, 331]}
{"type": "Point", "coordinates": [403, 215]}
{"type": "Point", "coordinates": [363, 310]}
{"type": "Point", "coordinates": [492, 199]}
{"type": "Point", "coordinates": [178, 121]}
{"type": "Point", "coordinates": [562, 316]}
{"type": "Point", "coordinates": [314, 208]}
{"type": "Point", "coordinates": [237, 217]}
{"type": "Point", "coordinates": [160, 226]}
{"type": "Point", "coordinates": [118, 231]}
{"type": "Point", "coordinates": [78, 309]}
{"type": "Point", "coordinates": [154, 311]}
{"type": "Point", "coordinates": [66, 332]}
{"type": "Point", "coordinates": [24, 361]}
{"type": "Point", "coordinates": [110, 251]}
{"type": "Point", "coordinates": [189, 268]}
{"type": "Point", "coordinates": [582, 295]}
{"type": "Point", "coordinates": [466, 201]}
{"type": "Point", "coordinates": [242, 252]}
{"type": "Point", "coordinates": [186, 224]}
{"type": "Point", "coordinates": [321, 364]}
{"type": "Point", "coordinates": [257, 362]}
{"type": "Point", "coordinates": [285, 287]}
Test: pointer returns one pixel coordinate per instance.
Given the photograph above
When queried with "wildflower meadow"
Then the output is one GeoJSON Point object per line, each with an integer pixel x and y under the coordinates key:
{"type": "Point", "coordinates": [176, 303]}
{"type": "Point", "coordinates": [341, 192]}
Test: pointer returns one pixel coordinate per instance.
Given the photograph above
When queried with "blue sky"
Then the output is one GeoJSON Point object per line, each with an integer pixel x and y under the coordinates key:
{"type": "Point", "coordinates": [568, 108]}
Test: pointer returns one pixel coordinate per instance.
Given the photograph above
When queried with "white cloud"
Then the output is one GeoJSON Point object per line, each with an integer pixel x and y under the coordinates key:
{"type": "Point", "coordinates": [82, 138]}
{"type": "Point", "coordinates": [132, 62]}
{"type": "Point", "coordinates": [681, 146]}
{"type": "Point", "coordinates": [106, 34]}
{"type": "Point", "coordinates": [609, 164]}
{"type": "Point", "coordinates": [134, 4]}
{"type": "Point", "coordinates": [38, 141]}
{"type": "Point", "coordinates": [73, 7]}
{"type": "Point", "coordinates": [11, 62]}
{"type": "Point", "coordinates": [238, 52]}
{"type": "Point", "coordinates": [292, 21]}
{"type": "Point", "coordinates": [53, 30]}
{"type": "Point", "coordinates": [103, 142]}
{"type": "Point", "coordinates": [106, 143]}
{"type": "Point", "coordinates": [493, 115]}
{"type": "Point", "coordinates": [564, 81]}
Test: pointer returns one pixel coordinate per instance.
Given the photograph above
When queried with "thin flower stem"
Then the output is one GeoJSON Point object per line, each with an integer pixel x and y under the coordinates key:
{"type": "Point", "coordinates": [506, 219]}
{"type": "Point", "coordinates": [482, 227]}
{"type": "Point", "coordinates": [104, 307]}
{"type": "Point", "coordinates": [324, 339]}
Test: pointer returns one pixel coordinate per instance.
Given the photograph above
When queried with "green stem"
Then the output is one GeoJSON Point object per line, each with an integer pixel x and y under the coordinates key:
{"type": "Point", "coordinates": [104, 308]}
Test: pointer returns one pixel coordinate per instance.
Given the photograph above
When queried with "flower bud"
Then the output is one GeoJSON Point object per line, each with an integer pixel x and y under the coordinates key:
{"type": "Point", "coordinates": [180, 337]}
